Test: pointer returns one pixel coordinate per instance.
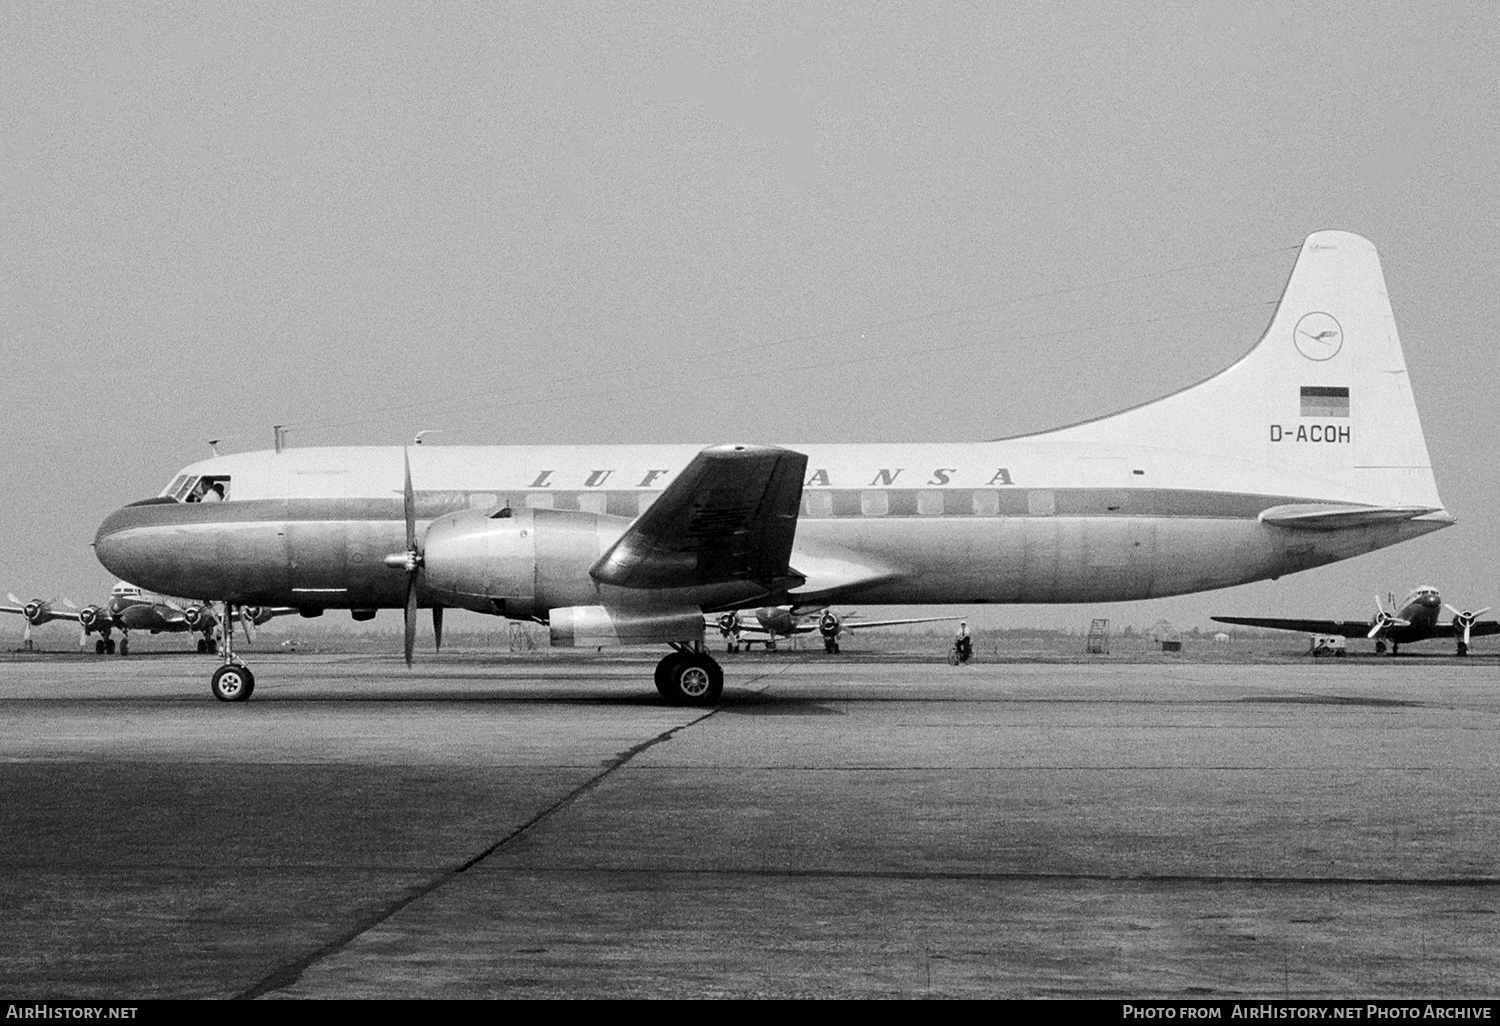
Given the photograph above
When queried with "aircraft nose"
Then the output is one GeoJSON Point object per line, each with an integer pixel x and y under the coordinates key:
{"type": "Point", "coordinates": [130, 542]}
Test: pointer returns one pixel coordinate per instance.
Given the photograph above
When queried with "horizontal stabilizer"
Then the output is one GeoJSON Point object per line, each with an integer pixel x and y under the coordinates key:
{"type": "Point", "coordinates": [1314, 516]}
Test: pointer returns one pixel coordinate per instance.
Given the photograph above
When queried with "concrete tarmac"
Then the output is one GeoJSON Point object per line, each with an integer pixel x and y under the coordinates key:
{"type": "Point", "coordinates": [502, 826]}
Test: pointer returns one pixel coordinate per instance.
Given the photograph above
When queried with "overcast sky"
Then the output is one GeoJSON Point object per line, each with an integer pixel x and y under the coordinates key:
{"type": "Point", "coordinates": [709, 223]}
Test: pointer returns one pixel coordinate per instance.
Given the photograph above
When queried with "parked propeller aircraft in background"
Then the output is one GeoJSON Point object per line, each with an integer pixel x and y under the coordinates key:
{"type": "Point", "coordinates": [129, 608]}
{"type": "Point", "coordinates": [1417, 621]}
{"type": "Point", "coordinates": [768, 623]}
{"type": "Point", "coordinates": [1306, 451]}
{"type": "Point", "coordinates": [37, 612]}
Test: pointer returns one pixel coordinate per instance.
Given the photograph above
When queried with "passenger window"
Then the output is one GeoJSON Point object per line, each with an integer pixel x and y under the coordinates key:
{"type": "Point", "coordinates": [818, 504]}
{"type": "Point", "coordinates": [593, 502]}
{"type": "Point", "coordinates": [1041, 502]}
{"type": "Point", "coordinates": [930, 503]}
{"type": "Point", "coordinates": [539, 500]}
{"type": "Point", "coordinates": [482, 500]}
{"type": "Point", "coordinates": [644, 500]}
{"type": "Point", "coordinates": [986, 504]}
{"type": "Point", "coordinates": [874, 504]}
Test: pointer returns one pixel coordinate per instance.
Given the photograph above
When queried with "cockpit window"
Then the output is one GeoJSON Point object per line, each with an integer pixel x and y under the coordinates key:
{"type": "Point", "coordinates": [209, 489]}
{"type": "Point", "coordinates": [172, 490]}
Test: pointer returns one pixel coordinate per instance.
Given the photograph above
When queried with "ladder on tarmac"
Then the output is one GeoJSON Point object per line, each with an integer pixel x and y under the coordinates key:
{"type": "Point", "coordinates": [1098, 643]}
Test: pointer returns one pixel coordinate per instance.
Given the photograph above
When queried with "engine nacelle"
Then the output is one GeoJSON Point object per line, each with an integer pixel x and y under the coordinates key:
{"type": "Point", "coordinates": [199, 618]}
{"type": "Point", "coordinates": [516, 563]}
{"type": "Point", "coordinates": [595, 626]}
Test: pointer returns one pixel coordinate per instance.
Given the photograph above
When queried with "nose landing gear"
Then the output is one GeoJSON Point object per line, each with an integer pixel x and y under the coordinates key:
{"type": "Point", "coordinates": [232, 682]}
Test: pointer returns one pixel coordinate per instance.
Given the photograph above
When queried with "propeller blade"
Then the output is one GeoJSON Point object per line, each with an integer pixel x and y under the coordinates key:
{"type": "Point", "coordinates": [437, 626]}
{"type": "Point", "coordinates": [247, 626]}
{"type": "Point", "coordinates": [410, 501]}
{"type": "Point", "coordinates": [69, 603]}
{"type": "Point", "coordinates": [12, 597]}
{"type": "Point", "coordinates": [1379, 605]}
{"type": "Point", "coordinates": [1479, 612]}
{"type": "Point", "coordinates": [1375, 630]}
{"type": "Point", "coordinates": [1466, 634]}
{"type": "Point", "coordinates": [411, 617]}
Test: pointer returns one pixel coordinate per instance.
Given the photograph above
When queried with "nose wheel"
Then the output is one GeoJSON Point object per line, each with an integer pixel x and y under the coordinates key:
{"type": "Point", "coordinates": [232, 683]}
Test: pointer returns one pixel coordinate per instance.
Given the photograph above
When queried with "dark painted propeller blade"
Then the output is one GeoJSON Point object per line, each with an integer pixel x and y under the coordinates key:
{"type": "Point", "coordinates": [410, 502]}
{"type": "Point", "coordinates": [437, 626]}
{"type": "Point", "coordinates": [411, 617]}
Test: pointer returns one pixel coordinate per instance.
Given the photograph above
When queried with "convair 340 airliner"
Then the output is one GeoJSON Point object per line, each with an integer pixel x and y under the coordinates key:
{"type": "Point", "coordinates": [1306, 451]}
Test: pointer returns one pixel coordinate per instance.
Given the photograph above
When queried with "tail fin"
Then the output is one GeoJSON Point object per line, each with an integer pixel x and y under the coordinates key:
{"type": "Point", "coordinates": [1323, 396]}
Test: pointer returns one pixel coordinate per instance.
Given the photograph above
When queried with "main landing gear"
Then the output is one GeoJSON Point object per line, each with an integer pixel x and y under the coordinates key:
{"type": "Point", "coordinates": [689, 676]}
{"type": "Point", "coordinates": [232, 682]}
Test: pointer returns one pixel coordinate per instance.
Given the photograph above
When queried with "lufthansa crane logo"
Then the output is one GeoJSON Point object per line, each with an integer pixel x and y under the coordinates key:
{"type": "Point", "coordinates": [1318, 336]}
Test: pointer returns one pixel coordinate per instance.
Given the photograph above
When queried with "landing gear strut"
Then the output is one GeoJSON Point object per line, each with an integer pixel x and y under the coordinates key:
{"type": "Point", "coordinates": [232, 682]}
{"type": "Point", "coordinates": [689, 676]}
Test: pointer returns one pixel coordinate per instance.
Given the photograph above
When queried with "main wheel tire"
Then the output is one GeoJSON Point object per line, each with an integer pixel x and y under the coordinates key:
{"type": "Point", "coordinates": [232, 683]}
{"type": "Point", "coordinates": [663, 674]}
{"type": "Point", "coordinates": [202, 646]}
{"type": "Point", "coordinates": [99, 647]}
{"type": "Point", "coordinates": [692, 680]}
{"type": "Point", "coordinates": [211, 646]}
{"type": "Point", "coordinates": [124, 646]}
{"type": "Point", "coordinates": [109, 646]}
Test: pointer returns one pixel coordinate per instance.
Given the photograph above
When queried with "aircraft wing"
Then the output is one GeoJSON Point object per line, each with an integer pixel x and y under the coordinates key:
{"type": "Point", "coordinates": [852, 625]}
{"type": "Point", "coordinates": [71, 614]}
{"type": "Point", "coordinates": [729, 516]}
{"type": "Point", "coordinates": [1344, 628]}
{"type": "Point", "coordinates": [1478, 630]}
{"type": "Point", "coordinates": [263, 613]}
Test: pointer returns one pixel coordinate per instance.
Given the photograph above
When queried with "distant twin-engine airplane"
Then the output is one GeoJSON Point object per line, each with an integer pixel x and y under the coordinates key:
{"type": "Point", "coordinates": [1306, 451]}
{"type": "Point", "coordinates": [1417, 621]}
{"type": "Point", "coordinates": [130, 608]}
{"type": "Point", "coordinates": [768, 623]}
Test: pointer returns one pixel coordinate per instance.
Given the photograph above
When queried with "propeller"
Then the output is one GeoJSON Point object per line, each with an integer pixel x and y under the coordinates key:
{"type": "Point", "coordinates": [409, 561]}
{"type": "Point", "coordinates": [1383, 620]}
{"type": "Point", "coordinates": [249, 620]}
{"type": "Point", "coordinates": [1465, 619]}
{"type": "Point", "coordinates": [729, 624]}
{"type": "Point", "coordinates": [33, 611]}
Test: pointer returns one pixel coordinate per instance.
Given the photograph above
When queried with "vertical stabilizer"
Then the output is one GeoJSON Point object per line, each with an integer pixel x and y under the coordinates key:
{"type": "Point", "coordinates": [1324, 394]}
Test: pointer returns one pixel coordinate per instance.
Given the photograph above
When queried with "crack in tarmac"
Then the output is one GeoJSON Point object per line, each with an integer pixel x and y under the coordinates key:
{"type": "Point", "coordinates": [289, 973]}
